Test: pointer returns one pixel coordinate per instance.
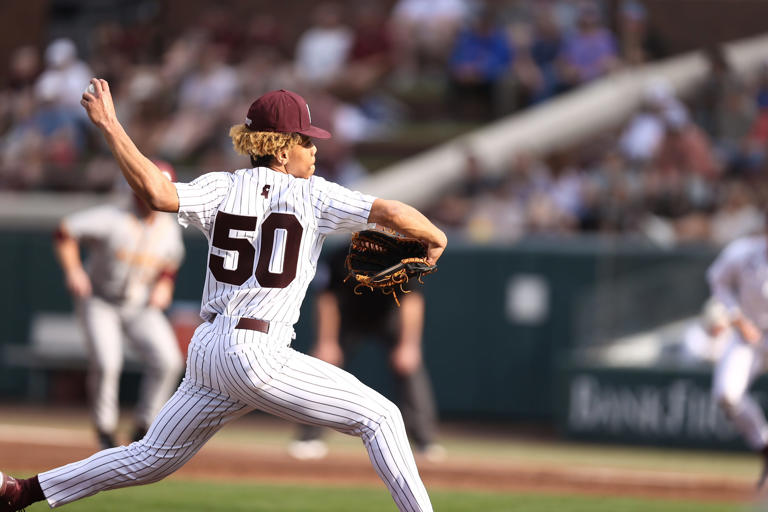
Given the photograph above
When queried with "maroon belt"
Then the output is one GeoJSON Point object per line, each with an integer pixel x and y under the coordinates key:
{"type": "Point", "coordinates": [253, 324]}
{"type": "Point", "coordinates": [250, 324]}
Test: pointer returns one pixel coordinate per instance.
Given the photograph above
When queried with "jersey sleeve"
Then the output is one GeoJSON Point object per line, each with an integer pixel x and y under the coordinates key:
{"type": "Point", "coordinates": [93, 223]}
{"type": "Point", "coordinates": [199, 200]}
{"type": "Point", "coordinates": [339, 209]}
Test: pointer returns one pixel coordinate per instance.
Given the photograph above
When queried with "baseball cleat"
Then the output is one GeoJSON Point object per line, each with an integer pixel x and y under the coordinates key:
{"type": "Point", "coordinates": [9, 491]}
{"type": "Point", "coordinates": [106, 440]}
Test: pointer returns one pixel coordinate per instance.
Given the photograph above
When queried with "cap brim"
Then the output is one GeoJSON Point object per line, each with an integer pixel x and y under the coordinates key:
{"type": "Point", "coordinates": [315, 132]}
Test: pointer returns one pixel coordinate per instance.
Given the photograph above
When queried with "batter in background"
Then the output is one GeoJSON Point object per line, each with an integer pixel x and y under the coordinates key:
{"type": "Point", "coordinates": [343, 322]}
{"type": "Point", "coordinates": [122, 290]}
{"type": "Point", "coordinates": [739, 280]}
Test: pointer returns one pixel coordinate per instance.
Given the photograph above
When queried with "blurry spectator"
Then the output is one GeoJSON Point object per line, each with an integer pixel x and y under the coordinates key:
{"type": "Point", "coordinates": [207, 92]}
{"type": "Point", "coordinates": [685, 148]}
{"type": "Point", "coordinates": [453, 209]}
{"type": "Point", "coordinates": [640, 43]}
{"type": "Point", "coordinates": [370, 57]}
{"type": "Point", "coordinates": [613, 195]}
{"type": "Point", "coordinates": [590, 51]}
{"type": "Point", "coordinates": [23, 68]}
{"type": "Point", "coordinates": [146, 107]}
{"type": "Point", "coordinates": [761, 94]}
{"type": "Point", "coordinates": [738, 146]}
{"type": "Point", "coordinates": [336, 161]}
{"type": "Point", "coordinates": [424, 31]}
{"type": "Point", "coordinates": [212, 84]}
{"type": "Point", "coordinates": [22, 162]}
{"type": "Point", "coordinates": [222, 29]}
{"type": "Point", "coordinates": [708, 98]}
{"type": "Point", "coordinates": [738, 215]}
{"type": "Point", "coordinates": [640, 140]}
{"type": "Point", "coordinates": [566, 189]}
{"type": "Point", "coordinates": [64, 132]}
{"type": "Point", "coordinates": [508, 209]}
{"type": "Point", "coordinates": [725, 109]}
{"type": "Point", "coordinates": [65, 76]}
{"type": "Point", "coordinates": [112, 51]}
{"type": "Point", "coordinates": [323, 48]}
{"type": "Point", "coordinates": [264, 33]}
{"type": "Point", "coordinates": [479, 59]}
{"type": "Point", "coordinates": [545, 49]}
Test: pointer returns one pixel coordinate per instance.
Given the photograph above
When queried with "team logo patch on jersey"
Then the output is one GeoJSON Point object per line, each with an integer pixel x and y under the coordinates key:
{"type": "Point", "coordinates": [265, 191]}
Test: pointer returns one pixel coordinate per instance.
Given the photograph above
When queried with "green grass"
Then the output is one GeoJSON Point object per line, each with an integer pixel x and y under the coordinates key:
{"type": "Point", "coordinates": [194, 496]}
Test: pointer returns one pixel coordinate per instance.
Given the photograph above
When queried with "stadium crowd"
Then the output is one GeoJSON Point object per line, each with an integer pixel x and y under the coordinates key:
{"type": "Point", "coordinates": [176, 89]}
{"type": "Point", "coordinates": [676, 172]}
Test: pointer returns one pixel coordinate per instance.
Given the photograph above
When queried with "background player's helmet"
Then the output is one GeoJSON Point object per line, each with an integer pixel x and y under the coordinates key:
{"type": "Point", "coordinates": [167, 169]}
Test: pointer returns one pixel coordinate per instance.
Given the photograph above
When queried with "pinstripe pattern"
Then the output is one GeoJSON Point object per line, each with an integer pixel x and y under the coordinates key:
{"type": "Point", "coordinates": [233, 371]}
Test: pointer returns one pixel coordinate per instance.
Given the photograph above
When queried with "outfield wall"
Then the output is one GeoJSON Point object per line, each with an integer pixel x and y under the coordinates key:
{"type": "Point", "coordinates": [498, 318]}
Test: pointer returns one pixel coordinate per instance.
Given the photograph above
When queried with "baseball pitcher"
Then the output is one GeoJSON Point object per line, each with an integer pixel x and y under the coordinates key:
{"type": "Point", "coordinates": [266, 226]}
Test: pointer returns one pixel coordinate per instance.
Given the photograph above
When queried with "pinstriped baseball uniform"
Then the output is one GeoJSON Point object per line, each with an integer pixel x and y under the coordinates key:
{"type": "Point", "coordinates": [126, 255]}
{"type": "Point", "coordinates": [739, 280]}
{"type": "Point", "coordinates": [265, 232]}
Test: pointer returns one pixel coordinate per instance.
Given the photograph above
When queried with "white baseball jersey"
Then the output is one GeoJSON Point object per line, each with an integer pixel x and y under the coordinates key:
{"type": "Point", "coordinates": [126, 254]}
{"type": "Point", "coordinates": [739, 279]}
{"type": "Point", "coordinates": [265, 231]}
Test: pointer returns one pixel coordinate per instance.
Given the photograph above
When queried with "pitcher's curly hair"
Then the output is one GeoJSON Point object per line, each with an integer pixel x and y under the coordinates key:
{"type": "Point", "coordinates": [261, 146]}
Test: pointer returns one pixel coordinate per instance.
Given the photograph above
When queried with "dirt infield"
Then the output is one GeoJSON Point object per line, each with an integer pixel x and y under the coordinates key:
{"type": "Point", "coordinates": [228, 463]}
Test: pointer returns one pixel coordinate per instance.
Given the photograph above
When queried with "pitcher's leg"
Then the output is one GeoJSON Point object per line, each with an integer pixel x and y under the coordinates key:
{"type": "Point", "coordinates": [185, 423]}
{"type": "Point", "coordinates": [305, 389]}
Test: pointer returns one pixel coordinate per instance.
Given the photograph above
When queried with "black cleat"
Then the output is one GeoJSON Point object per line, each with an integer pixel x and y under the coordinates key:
{"type": "Point", "coordinates": [139, 434]}
{"type": "Point", "coordinates": [106, 440]}
{"type": "Point", "coordinates": [10, 492]}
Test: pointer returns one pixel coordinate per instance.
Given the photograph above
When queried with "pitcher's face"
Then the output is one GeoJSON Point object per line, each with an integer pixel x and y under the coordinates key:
{"type": "Point", "coordinates": [301, 158]}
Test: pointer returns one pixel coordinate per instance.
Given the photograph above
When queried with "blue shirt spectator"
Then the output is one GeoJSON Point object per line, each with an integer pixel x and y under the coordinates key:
{"type": "Point", "coordinates": [591, 50]}
{"type": "Point", "coordinates": [482, 53]}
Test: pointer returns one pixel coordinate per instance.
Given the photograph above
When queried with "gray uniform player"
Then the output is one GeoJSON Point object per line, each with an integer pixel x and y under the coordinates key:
{"type": "Point", "coordinates": [739, 280]}
{"type": "Point", "coordinates": [133, 256]}
{"type": "Point", "coordinates": [265, 226]}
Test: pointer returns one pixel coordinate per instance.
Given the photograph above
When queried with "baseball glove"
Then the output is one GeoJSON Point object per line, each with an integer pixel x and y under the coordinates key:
{"type": "Point", "coordinates": [385, 260]}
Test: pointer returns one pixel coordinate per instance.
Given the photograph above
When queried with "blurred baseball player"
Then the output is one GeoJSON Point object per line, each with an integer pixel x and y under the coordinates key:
{"type": "Point", "coordinates": [739, 280]}
{"type": "Point", "coordinates": [265, 226]}
{"type": "Point", "coordinates": [133, 255]}
{"type": "Point", "coordinates": [344, 321]}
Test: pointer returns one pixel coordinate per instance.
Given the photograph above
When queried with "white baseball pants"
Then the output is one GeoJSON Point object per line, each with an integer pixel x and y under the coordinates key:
{"type": "Point", "coordinates": [229, 373]}
{"type": "Point", "coordinates": [153, 341]}
{"type": "Point", "coordinates": [740, 365]}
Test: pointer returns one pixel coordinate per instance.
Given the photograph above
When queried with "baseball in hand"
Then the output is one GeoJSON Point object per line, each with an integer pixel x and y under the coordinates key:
{"type": "Point", "coordinates": [90, 89]}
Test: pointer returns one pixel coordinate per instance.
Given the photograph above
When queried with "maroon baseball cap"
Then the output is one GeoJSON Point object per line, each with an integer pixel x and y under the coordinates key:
{"type": "Point", "coordinates": [285, 112]}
